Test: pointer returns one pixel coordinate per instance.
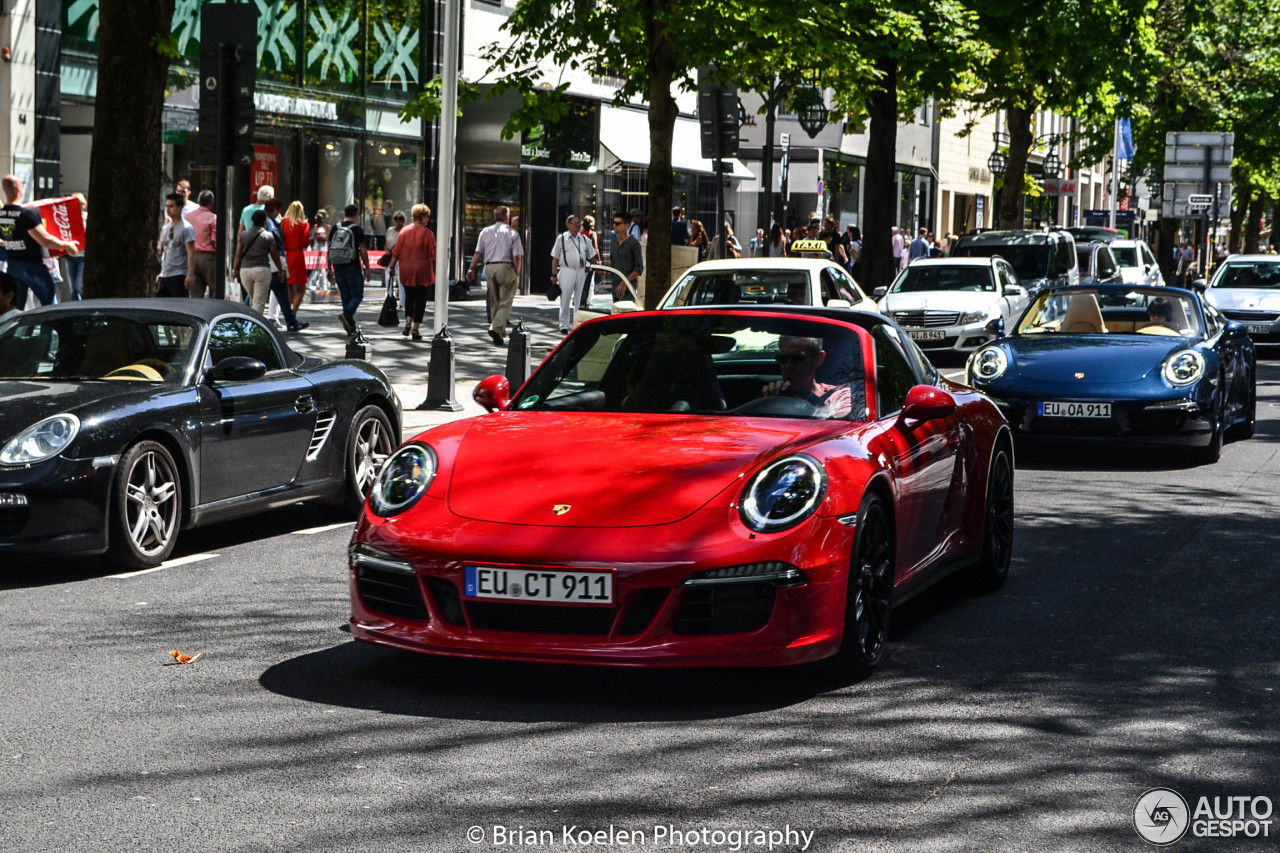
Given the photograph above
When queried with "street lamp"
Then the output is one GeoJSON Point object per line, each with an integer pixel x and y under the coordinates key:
{"type": "Point", "coordinates": [813, 112]}
{"type": "Point", "coordinates": [997, 163]}
{"type": "Point", "coordinates": [1052, 166]}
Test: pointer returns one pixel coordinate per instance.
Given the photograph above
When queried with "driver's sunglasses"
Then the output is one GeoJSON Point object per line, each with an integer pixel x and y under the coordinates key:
{"type": "Point", "coordinates": [794, 358]}
{"type": "Point", "coordinates": [618, 222]}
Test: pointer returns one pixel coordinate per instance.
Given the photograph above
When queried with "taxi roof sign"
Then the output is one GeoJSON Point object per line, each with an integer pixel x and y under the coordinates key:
{"type": "Point", "coordinates": [811, 246]}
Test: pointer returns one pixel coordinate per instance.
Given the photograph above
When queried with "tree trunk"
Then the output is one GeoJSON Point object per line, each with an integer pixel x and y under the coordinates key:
{"type": "Point", "coordinates": [1020, 140]}
{"type": "Point", "coordinates": [125, 166]}
{"type": "Point", "coordinates": [1238, 214]}
{"type": "Point", "coordinates": [662, 124]}
{"type": "Point", "coordinates": [1166, 242]}
{"type": "Point", "coordinates": [1253, 225]}
{"type": "Point", "coordinates": [880, 199]}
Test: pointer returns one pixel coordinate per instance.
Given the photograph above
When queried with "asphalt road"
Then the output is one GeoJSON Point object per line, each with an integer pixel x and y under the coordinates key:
{"type": "Point", "coordinates": [1135, 645]}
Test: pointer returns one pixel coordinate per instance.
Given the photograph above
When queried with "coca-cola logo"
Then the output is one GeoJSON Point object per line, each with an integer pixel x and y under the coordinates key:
{"type": "Point", "coordinates": [62, 219]}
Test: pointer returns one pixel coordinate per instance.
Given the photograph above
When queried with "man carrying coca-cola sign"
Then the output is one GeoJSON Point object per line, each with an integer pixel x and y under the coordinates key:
{"type": "Point", "coordinates": [27, 245]}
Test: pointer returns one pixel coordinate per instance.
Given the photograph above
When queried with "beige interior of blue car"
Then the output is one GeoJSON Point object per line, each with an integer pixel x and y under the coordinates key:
{"type": "Point", "coordinates": [1084, 316]}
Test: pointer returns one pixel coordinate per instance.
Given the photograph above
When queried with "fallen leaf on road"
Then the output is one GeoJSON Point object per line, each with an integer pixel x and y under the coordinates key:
{"type": "Point", "coordinates": [181, 658]}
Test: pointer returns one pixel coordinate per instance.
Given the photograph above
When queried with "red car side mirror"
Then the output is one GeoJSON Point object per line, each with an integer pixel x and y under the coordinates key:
{"type": "Point", "coordinates": [927, 403]}
{"type": "Point", "coordinates": [493, 392]}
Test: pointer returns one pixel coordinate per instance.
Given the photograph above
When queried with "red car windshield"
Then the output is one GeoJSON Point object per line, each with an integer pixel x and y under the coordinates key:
{"type": "Point", "coordinates": [732, 365]}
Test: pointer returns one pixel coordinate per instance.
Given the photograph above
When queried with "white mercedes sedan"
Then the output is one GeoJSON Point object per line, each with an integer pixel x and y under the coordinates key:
{"type": "Point", "coordinates": [954, 304]}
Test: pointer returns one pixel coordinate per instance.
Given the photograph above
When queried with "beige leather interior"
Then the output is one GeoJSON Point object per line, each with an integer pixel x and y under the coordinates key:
{"type": "Point", "coordinates": [1083, 316]}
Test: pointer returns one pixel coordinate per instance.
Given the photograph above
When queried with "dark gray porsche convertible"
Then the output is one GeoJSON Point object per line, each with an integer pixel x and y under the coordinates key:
{"type": "Point", "coordinates": [124, 421]}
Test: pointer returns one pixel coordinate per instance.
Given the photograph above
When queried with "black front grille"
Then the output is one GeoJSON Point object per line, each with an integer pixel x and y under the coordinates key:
{"type": "Point", "coordinates": [13, 519]}
{"type": "Point", "coordinates": [926, 319]}
{"type": "Point", "coordinates": [541, 618]}
{"type": "Point", "coordinates": [448, 602]}
{"type": "Point", "coordinates": [642, 606]}
{"type": "Point", "coordinates": [725, 608]}
{"type": "Point", "coordinates": [1075, 426]}
{"type": "Point", "coordinates": [1253, 316]}
{"type": "Point", "coordinates": [391, 592]}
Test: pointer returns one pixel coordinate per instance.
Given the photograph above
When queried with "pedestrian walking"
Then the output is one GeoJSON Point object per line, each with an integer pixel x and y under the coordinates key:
{"type": "Point", "coordinates": [835, 245]}
{"type": "Point", "coordinates": [757, 244]}
{"type": "Point", "coordinates": [500, 248]}
{"type": "Point", "coordinates": [413, 260]}
{"type": "Point", "coordinates": [679, 228]}
{"type": "Point", "coordinates": [27, 244]}
{"type": "Point", "coordinates": [571, 253]}
{"type": "Point", "coordinates": [75, 263]}
{"type": "Point", "coordinates": [636, 228]}
{"type": "Point", "coordinates": [854, 234]}
{"type": "Point", "coordinates": [184, 189]}
{"type": "Point", "coordinates": [297, 237]}
{"type": "Point", "coordinates": [204, 258]}
{"type": "Point", "coordinates": [777, 246]}
{"type": "Point", "coordinates": [698, 238]}
{"type": "Point", "coordinates": [919, 246]}
{"type": "Point", "coordinates": [255, 250]}
{"type": "Point", "coordinates": [899, 246]}
{"type": "Point", "coordinates": [627, 258]}
{"type": "Point", "coordinates": [348, 264]}
{"type": "Point", "coordinates": [1185, 256]}
{"type": "Point", "coordinates": [729, 247]}
{"type": "Point", "coordinates": [589, 231]}
{"type": "Point", "coordinates": [8, 298]}
{"type": "Point", "coordinates": [266, 192]}
{"type": "Point", "coordinates": [176, 249]}
{"type": "Point", "coordinates": [392, 274]}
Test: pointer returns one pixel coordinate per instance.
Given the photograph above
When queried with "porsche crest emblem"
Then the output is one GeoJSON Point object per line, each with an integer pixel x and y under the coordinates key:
{"type": "Point", "coordinates": [1079, 376]}
{"type": "Point", "coordinates": [561, 509]}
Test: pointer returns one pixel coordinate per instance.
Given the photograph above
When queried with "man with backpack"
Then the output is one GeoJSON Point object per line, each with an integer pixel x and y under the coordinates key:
{"type": "Point", "coordinates": [348, 259]}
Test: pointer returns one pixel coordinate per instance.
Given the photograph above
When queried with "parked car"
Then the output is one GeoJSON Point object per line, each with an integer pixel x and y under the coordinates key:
{"type": "Point", "coordinates": [1097, 264]}
{"type": "Point", "coordinates": [767, 281]}
{"type": "Point", "coordinates": [954, 303]}
{"type": "Point", "coordinates": [755, 486]}
{"type": "Point", "coordinates": [127, 420]}
{"type": "Point", "coordinates": [1041, 259]}
{"type": "Point", "coordinates": [1137, 262]}
{"type": "Point", "coordinates": [1246, 288]}
{"type": "Point", "coordinates": [1123, 363]}
{"type": "Point", "coordinates": [1099, 233]}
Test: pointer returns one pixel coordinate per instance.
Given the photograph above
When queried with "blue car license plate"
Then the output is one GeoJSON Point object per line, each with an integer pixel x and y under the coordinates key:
{"type": "Point", "coordinates": [1055, 409]}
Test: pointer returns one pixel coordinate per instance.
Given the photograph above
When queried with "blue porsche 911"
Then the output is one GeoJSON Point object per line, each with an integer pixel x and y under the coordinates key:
{"type": "Point", "coordinates": [1123, 363]}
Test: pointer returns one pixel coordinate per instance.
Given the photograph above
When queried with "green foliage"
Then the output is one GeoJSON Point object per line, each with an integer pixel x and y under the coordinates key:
{"type": "Point", "coordinates": [165, 45]}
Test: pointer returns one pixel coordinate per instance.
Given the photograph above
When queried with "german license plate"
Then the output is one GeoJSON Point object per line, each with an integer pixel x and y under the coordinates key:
{"type": "Point", "coordinates": [1258, 328]}
{"type": "Point", "coordinates": [548, 586]}
{"type": "Point", "coordinates": [1054, 409]}
{"type": "Point", "coordinates": [927, 336]}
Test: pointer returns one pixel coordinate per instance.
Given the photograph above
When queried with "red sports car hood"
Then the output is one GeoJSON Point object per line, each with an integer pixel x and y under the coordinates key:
{"type": "Point", "coordinates": [613, 470]}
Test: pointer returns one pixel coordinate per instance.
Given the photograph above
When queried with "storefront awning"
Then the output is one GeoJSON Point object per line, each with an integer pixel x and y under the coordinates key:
{"type": "Point", "coordinates": [626, 134]}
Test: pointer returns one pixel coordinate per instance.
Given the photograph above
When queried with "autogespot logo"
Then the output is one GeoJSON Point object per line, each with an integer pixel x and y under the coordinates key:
{"type": "Point", "coordinates": [1161, 816]}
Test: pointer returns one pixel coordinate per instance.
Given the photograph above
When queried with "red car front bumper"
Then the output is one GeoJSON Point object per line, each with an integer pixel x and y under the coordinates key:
{"type": "Point", "coordinates": [656, 619]}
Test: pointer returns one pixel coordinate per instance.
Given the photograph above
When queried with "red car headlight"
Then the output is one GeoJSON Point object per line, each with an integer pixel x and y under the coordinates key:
{"type": "Point", "coordinates": [783, 493]}
{"type": "Point", "coordinates": [405, 477]}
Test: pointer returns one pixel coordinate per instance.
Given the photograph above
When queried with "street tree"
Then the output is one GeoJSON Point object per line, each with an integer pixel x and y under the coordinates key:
{"type": "Point", "coordinates": [134, 50]}
{"type": "Point", "coordinates": [1081, 59]}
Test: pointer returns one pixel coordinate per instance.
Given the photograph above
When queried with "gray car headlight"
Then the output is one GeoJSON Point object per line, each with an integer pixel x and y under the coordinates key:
{"type": "Point", "coordinates": [405, 477]}
{"type": "Point", "coordinates": [973, 317]}
{"type": "Point", "coordinates": [988, 364]}
{"type": "Point", "coordinates": [783, 493]}
{"type": "Point", "coordinates": [1183, 368]}
{"type": "Point", "coordinates": [42, 441]}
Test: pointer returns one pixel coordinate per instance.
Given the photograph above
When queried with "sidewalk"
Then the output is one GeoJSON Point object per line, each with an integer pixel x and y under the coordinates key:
{"type": "Point", "coordinates": [406, 362]}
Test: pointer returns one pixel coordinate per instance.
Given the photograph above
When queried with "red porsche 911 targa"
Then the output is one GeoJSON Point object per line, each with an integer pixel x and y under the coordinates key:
{"type": "Point", "coordinates": [693, 487]}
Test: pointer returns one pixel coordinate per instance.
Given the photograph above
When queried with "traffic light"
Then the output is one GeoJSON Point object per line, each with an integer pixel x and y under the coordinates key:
{"type": "Point", "coordinates": [228, 75]}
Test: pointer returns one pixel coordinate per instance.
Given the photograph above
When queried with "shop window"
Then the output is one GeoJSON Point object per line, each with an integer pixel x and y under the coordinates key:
{"type": "Point", "coordinates": [333, 47]}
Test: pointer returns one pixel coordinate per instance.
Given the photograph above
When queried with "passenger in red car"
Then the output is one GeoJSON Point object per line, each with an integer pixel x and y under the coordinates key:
{"type": "Point", "coordinates": [798, 361]}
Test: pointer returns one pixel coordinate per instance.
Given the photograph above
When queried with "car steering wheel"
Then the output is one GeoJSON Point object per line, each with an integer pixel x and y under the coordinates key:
{"type": "Point", "coordinates": [138, 370]}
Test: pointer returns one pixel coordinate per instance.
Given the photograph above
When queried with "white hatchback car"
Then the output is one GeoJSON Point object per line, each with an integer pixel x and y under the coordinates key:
{"type": "Point", "coordinates": [1137, 262]}
{"type": "Point", "coordinates": [952, 304]}
{"type": "Point", "coordinates": [1246, 288]}
{"type": "Point", "coordinates": [765, 281]}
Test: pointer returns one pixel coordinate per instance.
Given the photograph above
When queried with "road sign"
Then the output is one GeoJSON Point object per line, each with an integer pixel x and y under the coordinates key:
{"type": "Point", "coordinates": [1197, 199]}
{"type": "Point", "coordinates": [1195, 174]}
{"type": "Point", "coordinates": [1216, 140]}
{"type": "Point", "coordinates": [228, 74]}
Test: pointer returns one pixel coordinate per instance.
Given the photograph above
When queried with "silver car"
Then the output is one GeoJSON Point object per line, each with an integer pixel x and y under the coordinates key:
{"type": "Point", "coordinates": [955, 304]}
{"type": "Point", "coordinates": [1246, 288]}
{"type": "Point", "coordinates": [1137, 262]}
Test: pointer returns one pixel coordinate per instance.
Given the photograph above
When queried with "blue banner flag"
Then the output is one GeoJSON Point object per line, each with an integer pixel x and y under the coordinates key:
{"type": "Point", "coordinates": [1124, 136]}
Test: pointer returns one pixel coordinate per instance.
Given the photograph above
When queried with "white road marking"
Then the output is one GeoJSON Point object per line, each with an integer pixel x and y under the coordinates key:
{"type": "Point", "coordinates": [168, 564]}
{"type": "Point", "coordinates": [313, 530]}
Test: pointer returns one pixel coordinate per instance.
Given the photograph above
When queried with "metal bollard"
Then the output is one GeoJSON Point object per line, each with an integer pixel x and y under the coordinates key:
{"type": "Point", "coordinates": [440, 375]}
{"type": "Point", "coordinates": [359, 346]}
{"type": "Point", "coordinates": [518, 356]}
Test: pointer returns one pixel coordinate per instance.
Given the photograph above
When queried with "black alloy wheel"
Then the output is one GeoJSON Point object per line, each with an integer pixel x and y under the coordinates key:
{"type": "Point", "coordinates": [370, 444]}
{"type": "Point", "coordinates": [870, 597]}
{"type": "Point", "coordinates": [1213, 451]}
{"type": "Point", "coordinates": [146, 507]}
{"type": "Point", "coordinates": [997, 527]}
{"type": "Point", "coordinates": [1248, 405]}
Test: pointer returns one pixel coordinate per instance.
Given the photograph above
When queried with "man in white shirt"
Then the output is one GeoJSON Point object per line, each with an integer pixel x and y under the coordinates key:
{"type": "Point", "coordinates": [570, 255]}
{"type": "Point", "coordinates": [500, 248]}
{"type": "Point", "coordinates": [898, 245]}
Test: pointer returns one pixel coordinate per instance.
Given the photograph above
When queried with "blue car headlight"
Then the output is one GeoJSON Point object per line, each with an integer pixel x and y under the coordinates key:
{"type": "Point", "coordinates": [1183, 368]}
{"type": "Point", "coordinates": [988, 365]}
{"type": "Point", "coordinates": [783, 493]}
{"type": "Point", "coordinates": [46, 439]}
{"type": "Point", "coordinates": [404, 478]}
